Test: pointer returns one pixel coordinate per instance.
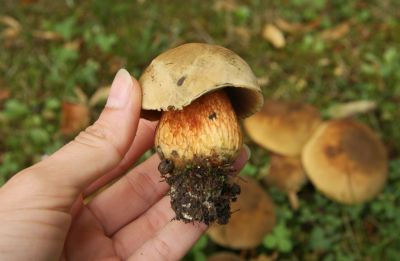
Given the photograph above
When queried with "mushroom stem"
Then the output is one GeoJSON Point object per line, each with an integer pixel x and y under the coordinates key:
{"type": "Point", "coordinates": [293, 199]}
{"type": "Point", "coordinates": [197, 146]}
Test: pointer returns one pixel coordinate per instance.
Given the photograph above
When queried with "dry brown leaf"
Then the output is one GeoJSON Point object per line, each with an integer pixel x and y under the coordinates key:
{"type": "Point", "coordinates": [73, 45]}
{"type": "Point", "coordinates": [9, 34]}
{"type": "Point", "coordinates": [349, 109]}
{"type": "Point", "coordinates": [4, 94]}
{"type": "Point", "coordinates": [289, 27]}
{"type": "Point", "coordinates": [225, 5]}
{"type": "Point", "coordinates": [273, 35]}
{"type": "Point", "coordinates": [336, 32]}
{"type": "Point", "coordinates": [81, 95]}
{"type": "Point", "coordinates": [10, 22]}
{"type": "Point", "coordinates": [263, 80]}
{"type": "Point", "coordinates": [242, 34]}
{"type": "Point", "coordinates": [47, 35]}
{"type": "Point", "coordinates": [99, 96]}
{"type": "Point", "coordinates": [13, 27]}
{"type": "Point", "coordinates": [264, 257]}
{"type": "Point", "coordinates": [115, 63]}
{"type": "Point", "coordinates": [74, 118]}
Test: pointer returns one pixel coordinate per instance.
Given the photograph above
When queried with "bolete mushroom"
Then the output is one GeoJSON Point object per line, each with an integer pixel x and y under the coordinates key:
{"type": "Point", "coordinates": [201, 91]}
{"type": "Point", "coordinates": [286, 174]}
{"type": "Point", "coordinates": [225, 256]}
{"type": "Point", "coordinates": [346, 161]}
{"type": "Point", "coordinates": [283, 127]}
{"type": "Point", "coordinates": [253, 219]}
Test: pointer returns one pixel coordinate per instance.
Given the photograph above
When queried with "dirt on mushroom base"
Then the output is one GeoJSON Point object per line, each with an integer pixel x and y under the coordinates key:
{"type": "Point", "coordinates": [202, 191]}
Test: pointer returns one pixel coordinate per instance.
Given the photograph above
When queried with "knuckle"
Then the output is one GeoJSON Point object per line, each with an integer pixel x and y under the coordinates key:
{"type": "Point", "coordinates": [155, 219]}
{"type": "Point", "coordinates": [162, 249]}
{"type": "Point", "coordinates": [98, 135]}
{"type": "Point", "coordinates": [30, 178]}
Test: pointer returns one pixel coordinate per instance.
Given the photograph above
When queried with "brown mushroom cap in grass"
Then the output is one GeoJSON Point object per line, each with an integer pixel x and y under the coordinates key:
{"type": "Point", "coordinates": [283, 127]}
{"type": "Point", "coordinates": [181, 75]}
{"type": "Point", "coordinates": [287, 174]}
{"type": "Point", "coordinates": [346, 161]}
{"type": "Point", "coordinates": [254, 218]}
{"type": "Point", "coordinates": [225, 256]}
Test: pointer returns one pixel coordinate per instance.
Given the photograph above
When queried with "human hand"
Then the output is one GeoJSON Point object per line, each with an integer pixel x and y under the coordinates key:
{"type": "Point", "coordinates": [42, 214]}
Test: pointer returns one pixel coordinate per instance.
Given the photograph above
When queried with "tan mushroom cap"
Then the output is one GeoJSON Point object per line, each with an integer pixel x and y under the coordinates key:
{"type": "Point", "coordinates": [283, 127]}
{"type": "Point", "coordinates": [287, 174]}
{"type": "Point", "coordinates": [180, 75]}
{"type": "Point", "coordinates": [225, 256]}
{"type": "Point", "coordinates": [253, 220]}
{"type": "Point", "coordinates": [346, 161]}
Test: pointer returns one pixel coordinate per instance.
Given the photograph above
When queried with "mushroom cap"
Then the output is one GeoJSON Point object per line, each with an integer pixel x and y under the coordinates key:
{"type": "Point", "coordinates": [286, 173]}
{"type": "Point", "coordinates": [283, 127]}
{"type": "Point", "coordinates": [346, 161]}
{"type": "Point", "coordinates": [180, 75]}
{"type": "Point", "coordinates": [253, 220]}
{"type": "Point", "coordinates": [225, 256]}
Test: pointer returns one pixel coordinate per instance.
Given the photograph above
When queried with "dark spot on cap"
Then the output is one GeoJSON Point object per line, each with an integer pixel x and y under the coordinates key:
{"type": "Point", "coordinates": [212, 116]}
{"type": "Point", "coordinates": [181, 81]}
{"type": "Point", "coordinates": [332, 151]}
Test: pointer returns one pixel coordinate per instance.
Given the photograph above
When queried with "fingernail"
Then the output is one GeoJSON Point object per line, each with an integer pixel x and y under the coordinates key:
{"type": "Point", "coordinates": [248, 151]}
{"type": "Point", "coordinates": [120, 90]}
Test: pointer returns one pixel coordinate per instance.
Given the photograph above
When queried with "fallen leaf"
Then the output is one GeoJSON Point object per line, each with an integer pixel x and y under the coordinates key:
{"type": "Point", "coordinates": [242, 34]}
{"type": "Point", "coordinates": [273, 35]}
{"type": "Point", "coordinates": [264, 257]}
{"type": "Point", "coordinates": [81, 95]}
{"type": "Point", "coordinates": [4, 94]}
{"type": "Point", "coordinates": [74, 118]}
{"type": "Point", "coordinates": [296, 27]}
{"type": "Point", "coordinates": [10, 22]}
{"type": "Point", "coordinates": [99, 96]}
{"type": "Point", "coordinates": [47, 35]}
{"type": "Point", "coordinates": [115, 63]}
{"type": "Point", "coordinates": [13, 27]}
{"type": "Point", "coordinates": [263, 80]}
{"type": "Point", "coordinates": [225, 5]}
{"type": "Point", "coordinates": [74, 45]}
{"type": "Point", "coordinates": [349, 109]}
{"type": "Point", "coordinates": [336, 32]}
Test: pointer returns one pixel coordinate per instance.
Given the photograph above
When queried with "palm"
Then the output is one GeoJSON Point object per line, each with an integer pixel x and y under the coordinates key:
{"type": "Point", "coordinates": [131, 219]}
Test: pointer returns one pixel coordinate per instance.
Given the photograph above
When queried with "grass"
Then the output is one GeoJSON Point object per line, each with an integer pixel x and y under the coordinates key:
{"type": "Point", "coordinates": [93, 39]}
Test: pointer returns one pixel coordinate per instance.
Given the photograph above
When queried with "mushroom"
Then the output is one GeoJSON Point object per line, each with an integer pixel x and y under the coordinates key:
{"type": "Point", "coordinates": [253, 219]}
{"type": "Point", "coordinates": [201, 91]}
{"type": "Point", "coordinates": [346, 161]}
{"type": "Point", "coordinates": [225, 256]}
{"type": "Point", "coordinates": [283, 127]}
{"type": "Point", "coordinates": [287, 174]}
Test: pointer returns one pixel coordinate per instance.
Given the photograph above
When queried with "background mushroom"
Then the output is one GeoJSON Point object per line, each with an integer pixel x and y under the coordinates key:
{"type": "Point", "coordinates": [283, 127]}
{"type": "Point", "coordinates": [253, 218]}
{"type": "Point", "coordinates": [201, 90]}
{"type": "Point", "coordinates": [225, 256]}
{"type": "Point", "coordinates": [287, 174]}
{"type": "Point", "coordinates": [346, 161]}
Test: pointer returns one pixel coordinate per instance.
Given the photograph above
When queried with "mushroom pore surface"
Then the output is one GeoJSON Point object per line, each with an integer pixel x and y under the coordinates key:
{"type": "Point", "coordinates": [198, 145]}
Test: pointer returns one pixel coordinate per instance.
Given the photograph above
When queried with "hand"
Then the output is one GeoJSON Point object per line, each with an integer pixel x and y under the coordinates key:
{"type": "Point", "coordinates": [42, 214]}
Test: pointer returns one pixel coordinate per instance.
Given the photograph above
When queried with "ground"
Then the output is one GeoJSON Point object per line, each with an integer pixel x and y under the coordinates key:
{"type": "Point", "coordinates": [53, 52]}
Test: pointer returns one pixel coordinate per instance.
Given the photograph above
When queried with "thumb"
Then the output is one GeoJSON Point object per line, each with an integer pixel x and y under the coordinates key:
{"type": "Point", "coordinates": [101, 146]}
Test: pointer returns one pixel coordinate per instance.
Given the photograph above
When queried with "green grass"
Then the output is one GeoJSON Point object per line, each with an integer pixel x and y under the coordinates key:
{"type": "Point", "coordinates": [99, 37]}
